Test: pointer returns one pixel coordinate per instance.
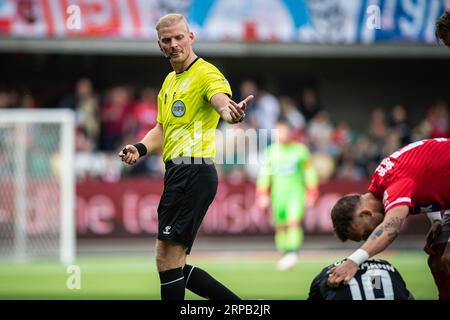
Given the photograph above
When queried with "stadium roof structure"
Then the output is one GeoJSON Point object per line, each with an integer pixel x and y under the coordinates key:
{"type": "Point", "coordinates": [225, 49]}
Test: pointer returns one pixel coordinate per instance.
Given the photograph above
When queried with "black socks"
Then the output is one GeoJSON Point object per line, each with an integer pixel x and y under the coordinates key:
{"type": "Point", "coordinates": [201, 283]}
{"type": "Point", "coordinates": [172, 284]}
{"type": "Point", "coordinates": [174, 281]}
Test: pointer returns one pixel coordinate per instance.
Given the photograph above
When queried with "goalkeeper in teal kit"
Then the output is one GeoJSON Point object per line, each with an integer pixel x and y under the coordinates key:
{"type": "Point", "coordinates": [287, 182]}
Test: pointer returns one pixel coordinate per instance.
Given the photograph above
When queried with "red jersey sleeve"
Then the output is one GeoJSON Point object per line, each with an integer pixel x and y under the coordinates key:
{"type": "Point", "coordinates": [375, 189]}
{"type": "Point", "coordinates": [400, 193]}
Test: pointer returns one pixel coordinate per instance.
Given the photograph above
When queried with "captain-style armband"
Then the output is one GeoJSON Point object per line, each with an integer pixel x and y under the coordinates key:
{"type": "Point", "coordinates": [359, 256]}
{"type": "Point", "coordinates": [433, 216]}
{"type": "Point", "coordinates": [141, 148]}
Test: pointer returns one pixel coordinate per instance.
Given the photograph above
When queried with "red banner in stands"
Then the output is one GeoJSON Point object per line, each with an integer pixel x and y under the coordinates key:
{"type": "Point", "coordinates": [86, 18]}
{"type": "Point", "coordinates": [129, 208]}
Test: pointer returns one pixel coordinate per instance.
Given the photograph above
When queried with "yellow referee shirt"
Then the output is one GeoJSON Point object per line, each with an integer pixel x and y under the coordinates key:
{"type": "Point", "coordinates": [185, 111]}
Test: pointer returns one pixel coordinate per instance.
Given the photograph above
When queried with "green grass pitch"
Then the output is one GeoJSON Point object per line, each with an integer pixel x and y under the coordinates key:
{"type": "Point", "coordinates": [251, 277]}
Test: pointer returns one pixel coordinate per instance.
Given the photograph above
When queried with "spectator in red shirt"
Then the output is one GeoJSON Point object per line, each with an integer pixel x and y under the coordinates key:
{"type": "Point", "coordinates": [438, 120]}
{"type": "Point", "coordinates": [144, 113]}
{"type": "Point", "coordinates": [114, 115]}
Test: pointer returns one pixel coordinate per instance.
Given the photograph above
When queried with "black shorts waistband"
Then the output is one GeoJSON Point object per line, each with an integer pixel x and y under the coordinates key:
{"type": "Point", "coordinates": [188, 160]}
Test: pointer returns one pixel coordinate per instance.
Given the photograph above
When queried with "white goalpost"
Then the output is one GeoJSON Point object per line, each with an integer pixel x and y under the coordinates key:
{"type": "Point", "coordinates": [37, 185]}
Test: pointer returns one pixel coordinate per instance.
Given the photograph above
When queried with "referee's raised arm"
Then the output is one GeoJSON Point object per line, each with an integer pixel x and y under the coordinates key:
{"type": "Point", "coordinates": [229, 110]}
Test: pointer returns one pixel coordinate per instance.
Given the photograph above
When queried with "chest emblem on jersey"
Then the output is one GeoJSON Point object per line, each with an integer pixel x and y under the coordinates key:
{"type": "Point", "coordinates": [178, 108]}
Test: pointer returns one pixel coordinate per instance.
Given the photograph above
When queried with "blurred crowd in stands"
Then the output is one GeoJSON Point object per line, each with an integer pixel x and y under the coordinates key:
{"type": "Point", "coordinates": [122, 115]}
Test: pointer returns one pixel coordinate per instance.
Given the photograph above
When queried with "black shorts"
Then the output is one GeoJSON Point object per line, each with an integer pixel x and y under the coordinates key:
{"type": "Point", "coordinates": [189, 189]}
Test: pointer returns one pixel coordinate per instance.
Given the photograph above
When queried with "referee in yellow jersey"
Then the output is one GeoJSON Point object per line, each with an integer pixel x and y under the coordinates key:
{"type": "Point", "coordinates": [193, 97]}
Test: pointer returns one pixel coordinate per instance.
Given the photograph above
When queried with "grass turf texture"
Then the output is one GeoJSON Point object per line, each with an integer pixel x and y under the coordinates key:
{"type": "Point", "coordinates": [136, 277]}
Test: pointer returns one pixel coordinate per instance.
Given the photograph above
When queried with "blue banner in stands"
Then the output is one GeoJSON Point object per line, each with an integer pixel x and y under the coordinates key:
{"type": "Point", "coordinates": [305, 21]}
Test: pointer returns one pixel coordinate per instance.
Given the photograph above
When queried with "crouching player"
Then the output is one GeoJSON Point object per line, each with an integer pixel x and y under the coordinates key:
{"type": "Point", "coordinates": [374, 280]}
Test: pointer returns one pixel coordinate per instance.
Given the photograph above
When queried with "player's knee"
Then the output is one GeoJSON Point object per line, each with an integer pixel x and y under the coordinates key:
{"type": "Point", "coordinates": [281, 228]}
{"type": "Point", "coordinates": [167, 262]}
{"type": "Point", "coordinates": [170, 256]}
{"type": "Point", "coordinates": [161, 259]}
{"type": "Point", "coordinates": [294, 224]}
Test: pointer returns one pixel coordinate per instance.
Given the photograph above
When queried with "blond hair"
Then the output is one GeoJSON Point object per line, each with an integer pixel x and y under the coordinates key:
{"type": "Point", "coordinates": [170, 19]}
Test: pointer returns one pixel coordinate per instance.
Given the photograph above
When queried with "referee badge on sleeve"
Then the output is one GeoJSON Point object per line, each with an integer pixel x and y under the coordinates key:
{"type": "Point", "coordinates": [178, 108]}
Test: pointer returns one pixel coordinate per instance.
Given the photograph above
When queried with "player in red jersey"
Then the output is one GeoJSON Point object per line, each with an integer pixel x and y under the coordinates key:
{"type": "Point", "coordinates": [415, 179]}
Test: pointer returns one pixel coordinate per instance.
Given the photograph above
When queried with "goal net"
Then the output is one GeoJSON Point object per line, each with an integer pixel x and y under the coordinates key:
{"type": "Point", "coordinates": [37, 190]}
